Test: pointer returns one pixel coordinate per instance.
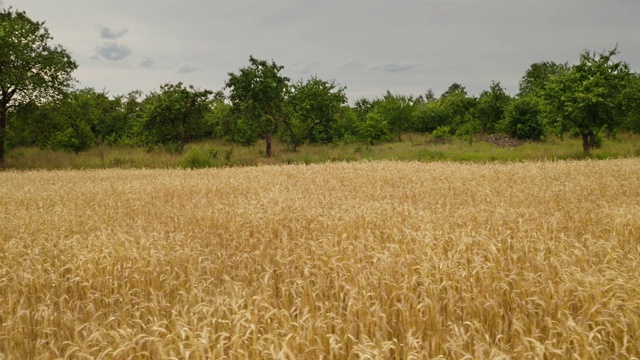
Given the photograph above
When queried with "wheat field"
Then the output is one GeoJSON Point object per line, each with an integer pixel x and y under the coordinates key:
{"type": "Point", "coordinates": [373, 260]}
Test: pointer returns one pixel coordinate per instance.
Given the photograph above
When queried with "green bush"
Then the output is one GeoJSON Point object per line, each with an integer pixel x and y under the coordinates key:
{"type": "Point", "coordinates": [442, 133]}
{"type": "Point", "coordinates": [374, 129]}
{"type": "Point", "coordinates": [77, 140]}
{"type": "Point", "coordinates": [195, 159]}
{"type": "Point", "coordinates": [523, 120]}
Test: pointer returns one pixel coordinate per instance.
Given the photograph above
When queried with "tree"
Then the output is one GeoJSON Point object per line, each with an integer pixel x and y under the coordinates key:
{"type": "Point", "coordinates": [176, 114]}
{"type": "Point", "coordinates": [397, 111]}
{"type": "Point", "coordinates": [314, 104]}
{"type": "Point", "coordinates": [523, 119]}
{"type": "Point", "coordinates": [459, 109]}
{"type": "Point", "coordinates": [258, 95]}
{"type": "Point", "coordinates": [31, 69]}
{"type": "Point", "coordinates": [631, 121]}
{"type": "Point", "coordinates": [491, 106]}
{"type": "Point", "coordinates": [429, 116]}
{"type": "Point", "coordinates": [538, 76]}
{"type": "Point", "coordinates": [590, 96]}
{"type": "Point", "coordinates": [454, 88]}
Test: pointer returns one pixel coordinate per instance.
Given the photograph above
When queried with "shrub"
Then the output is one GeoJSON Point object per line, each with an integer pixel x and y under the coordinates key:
{"type": "Point", "coordinates": [523, 120]}
{"type": "Point", "coordinates": [196, 159]}
{"type": "Point", "coordinates": [442, 133]}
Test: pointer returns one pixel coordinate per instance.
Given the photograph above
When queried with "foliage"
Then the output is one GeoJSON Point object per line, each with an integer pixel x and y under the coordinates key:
{"type": "Point", "coordinates": [459, 109]}
{"type": "Point", "coordinates": [374, 129]}
{"type": "Point", "coordinates": [32, 69]}
{"type": "Point", "coordinates": [538, 76]}
{"type": "Point", "coordinates": [175, 115]}
{"type": "Point", "coordinates": [590, 96]}
{"type": "Point", "coordinates": [523, 119]}
{"type": "Point", "coordinates": [491, 106]}
{"type": "Point", "coordinates": [314, 104]}
{"type": "Point", "coordinates": [453, 88]}
{"type": "Point", "coordinates": [195, 158]}
{"type": "Point", "coordinates": [442, 133]}
{"type": "Point", "coordinates": [397, 111]}
{"type": "Point", "coordinates": [258, 96]}
{"type": "Point", "coordinates": [429, 116]}
{"type": "Point", "coordinates": [631, 120]}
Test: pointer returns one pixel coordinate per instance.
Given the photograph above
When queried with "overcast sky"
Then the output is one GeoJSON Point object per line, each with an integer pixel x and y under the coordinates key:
{"type": "Point", "coordinates": [369, 46]}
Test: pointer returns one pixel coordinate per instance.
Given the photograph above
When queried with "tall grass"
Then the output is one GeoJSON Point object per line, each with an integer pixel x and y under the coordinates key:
{"type": "Point", "coordinates": [413, 147]}
{"type": "Point", "coordinates": [395, 260]}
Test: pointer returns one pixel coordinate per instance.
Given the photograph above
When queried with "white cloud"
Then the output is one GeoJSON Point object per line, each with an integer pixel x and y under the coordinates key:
{"type": "Point", "coordinates": [107, 33]}
{"type": "Point", "coordinates": [113, 51]}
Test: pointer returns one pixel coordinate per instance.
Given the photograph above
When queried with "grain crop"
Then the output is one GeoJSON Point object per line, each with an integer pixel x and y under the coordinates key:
{"type": "Point", "coordinates": [389, 260]}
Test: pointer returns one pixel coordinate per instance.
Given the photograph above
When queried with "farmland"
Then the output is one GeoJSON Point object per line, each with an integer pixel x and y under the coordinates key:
{"type": "Point", "coordinates": [378, 259]}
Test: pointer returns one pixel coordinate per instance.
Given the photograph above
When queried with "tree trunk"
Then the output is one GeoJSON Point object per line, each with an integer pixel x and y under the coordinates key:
{"type": "Point", "coordinates": [267, 139]}
{"type": "Point", "coordinates": [586, 142]}
{"type": "Point", "coordinates": [3, 132]}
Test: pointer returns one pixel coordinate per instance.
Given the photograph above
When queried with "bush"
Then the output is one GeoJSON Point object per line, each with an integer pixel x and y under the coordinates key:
{"type": "Point", "coordinates": [196, 159]}
{"type": "Point", "coordinates": [523, 120]}
{"type": "Point", "coordinates": [442, 133]}
{"type": "Point", "coordinates": [72, 140]}
{"type": "Point", "coordinates": [374, 129]}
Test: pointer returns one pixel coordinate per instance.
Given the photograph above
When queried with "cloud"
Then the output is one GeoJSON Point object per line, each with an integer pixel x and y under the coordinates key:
{"type": "Point", "coordinates": [395, 67]}
{"type": "Point", "coordinates": [107, 33]}
{"type": "Point", "coordinates": [354, 64]}
{"type": "Point", "coordinates": [186, 68]}
{"type": "Point", "coordinates": [1, 3]}
{"type": "Point", "coordinates": [147, 62]}
{"type": "Point", "coordinates": [113, 51]}
{"type": "Point", "coordinates": [304, 68]}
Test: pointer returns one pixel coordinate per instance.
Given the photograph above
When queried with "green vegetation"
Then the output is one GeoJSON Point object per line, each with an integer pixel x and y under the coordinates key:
{"type": "Point", "coordinates": [304, 121]}
{"type": "Point", "coordinates": [414, 147]}
{"type": "Point", "coordinates": [31, 69]}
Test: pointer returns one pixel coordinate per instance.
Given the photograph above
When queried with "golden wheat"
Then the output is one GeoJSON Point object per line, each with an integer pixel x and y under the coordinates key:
{"type": "Point", "coordinates": [393, 260]}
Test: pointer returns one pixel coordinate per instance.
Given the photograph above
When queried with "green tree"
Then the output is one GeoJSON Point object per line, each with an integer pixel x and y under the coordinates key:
{"type": "Point", "coordinates": [258, 94]}
{"type": "Point", "coordinates": [524, 119]}
{"type": "Point", "coordinates": [31, 69]}
{"type": "Point", "coordinates": [430, 115]}
{"type": "Point", "coordinates": [94, 117]}
{"type": "Point", "coordinates": [219, 119]}
{"type": "Point", "coordinates": [397, 111]}
{"type": "Point", "coordinates": [454, 88]}
{"type": "Point", "coordinates": [631, 121]}
{"type": "Point", "coordinates": [538, 76]}
{"type": "Point", "coordinates": [491, 106]}
{"type": "Point", "coordinates": [459, 109]}
{"type": "Point", "coordinates": [315, 104]}
{"type": "Point", "coordinates": [591, 96]}
{"type": "Point", "coordinates": [176, 115]}
{"type": "Point", "coordinates": [374, 128]}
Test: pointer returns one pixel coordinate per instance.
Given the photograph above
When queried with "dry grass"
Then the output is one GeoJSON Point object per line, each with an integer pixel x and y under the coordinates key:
{"type": "Point", "coordinates": [337, 261]}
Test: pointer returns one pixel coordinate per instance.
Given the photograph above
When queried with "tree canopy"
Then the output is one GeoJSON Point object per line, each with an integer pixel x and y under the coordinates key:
{"type": "Point", "coordinates": [258, 95]}
{"type": "Point", "coordinates": [590, 96]}
{"type": "Point", "coordinates": [31, 69]}
{"type": "Point", "coordinates": [39, 106]}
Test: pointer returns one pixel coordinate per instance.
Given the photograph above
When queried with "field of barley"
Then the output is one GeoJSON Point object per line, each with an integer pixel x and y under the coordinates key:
{"type": "Point", "coordinates": [388, 260]}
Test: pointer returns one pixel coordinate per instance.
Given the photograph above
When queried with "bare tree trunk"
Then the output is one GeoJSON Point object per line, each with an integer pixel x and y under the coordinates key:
{"type": "Point", "coordinates": [586, 142]}
{"type": "Point", "coordinates": [269, 152]}
{"type": "Point", "coordinates": [3, 132]}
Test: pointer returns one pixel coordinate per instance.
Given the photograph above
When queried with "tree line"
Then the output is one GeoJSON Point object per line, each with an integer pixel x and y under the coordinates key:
{"type": "Point", "coordinates": [39, 106]}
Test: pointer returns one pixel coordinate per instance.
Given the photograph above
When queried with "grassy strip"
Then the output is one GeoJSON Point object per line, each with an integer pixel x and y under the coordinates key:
{"type": "Point", "coordinates": [216, 153]}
